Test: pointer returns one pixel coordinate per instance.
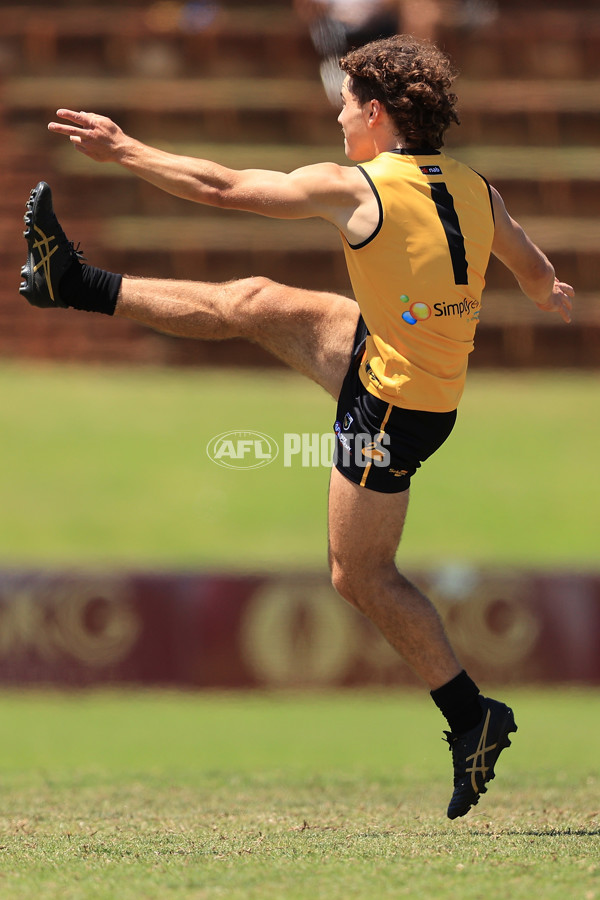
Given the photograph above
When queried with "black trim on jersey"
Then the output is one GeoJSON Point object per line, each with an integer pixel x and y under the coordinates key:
{"type": "Point", "coordinates": [444, 202]}
{"type": "Point", "coordinates": [489, 187]}
{"type": "Point", "coordinates": [360, 337]}
{"type": "Point", "coordinates": [419, 151]}
{"type": "Point", "coordinates": [380, 222]}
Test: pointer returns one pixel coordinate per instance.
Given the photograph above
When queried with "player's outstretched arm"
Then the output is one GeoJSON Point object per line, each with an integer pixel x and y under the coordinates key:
{"type": "Point", "coordinates": [532, 269]}
{"type": "Point", "coordinates": [102, 140]}
{"type": "Point", "coordinates": [324, 190]}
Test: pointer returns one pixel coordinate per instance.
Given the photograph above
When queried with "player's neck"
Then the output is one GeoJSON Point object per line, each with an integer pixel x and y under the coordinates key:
{"type": "Point", "coordinates": [385, 140]}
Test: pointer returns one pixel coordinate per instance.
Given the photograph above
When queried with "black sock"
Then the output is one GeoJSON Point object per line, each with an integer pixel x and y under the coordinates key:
{"type": "Point", "coordinates": [458, 703]}
{"type": "Point", "coordinates": [94, 290]}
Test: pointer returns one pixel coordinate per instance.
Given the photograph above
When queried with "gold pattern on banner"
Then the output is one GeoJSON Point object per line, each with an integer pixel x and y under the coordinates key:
{"type": "Point", "coordinates": [300, 632]}
{"type": "Point", "coordinates": [89, 622]}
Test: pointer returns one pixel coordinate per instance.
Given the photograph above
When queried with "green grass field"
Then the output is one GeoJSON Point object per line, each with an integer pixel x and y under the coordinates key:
{"type": "Point", "coordinates": [110, 466]}
{"type": "Point", "coordinates": [164, 796]}
{"type": "Point", "coordinates": [170, 796]}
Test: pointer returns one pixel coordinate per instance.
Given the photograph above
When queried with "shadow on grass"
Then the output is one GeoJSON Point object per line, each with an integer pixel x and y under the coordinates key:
{"type": "Point", "coordinates": [566, 831]}
{"type": "Point", "coordinates": [539, 832]}
{"type": "Point", "coordinates": [559, 832]}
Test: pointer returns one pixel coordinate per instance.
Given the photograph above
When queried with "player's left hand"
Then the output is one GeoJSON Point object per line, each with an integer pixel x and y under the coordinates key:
{"type": "Point", "coordinates": [560, 300]}
{"type": "Point", "coordinates": [96, 136]}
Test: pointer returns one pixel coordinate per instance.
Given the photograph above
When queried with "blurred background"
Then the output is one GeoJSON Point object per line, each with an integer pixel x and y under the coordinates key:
{"type": "Point", "coordinates": [126, 554]}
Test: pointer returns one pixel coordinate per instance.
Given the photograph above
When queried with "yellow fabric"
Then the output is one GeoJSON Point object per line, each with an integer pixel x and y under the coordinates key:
{"type": "Point", "coordinates": [421, 322]}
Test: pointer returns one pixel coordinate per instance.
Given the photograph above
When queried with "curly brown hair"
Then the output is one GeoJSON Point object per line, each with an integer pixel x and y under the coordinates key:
{"type": "Point", "coordinates": [412, 80]}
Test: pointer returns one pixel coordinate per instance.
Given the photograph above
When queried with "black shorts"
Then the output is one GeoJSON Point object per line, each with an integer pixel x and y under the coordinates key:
{"type": "Point", "coordinates": [380, 446]}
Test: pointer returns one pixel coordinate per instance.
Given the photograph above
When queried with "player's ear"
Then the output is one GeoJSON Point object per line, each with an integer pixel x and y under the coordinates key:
{"type": "Point", "coordinates": [374, 110]}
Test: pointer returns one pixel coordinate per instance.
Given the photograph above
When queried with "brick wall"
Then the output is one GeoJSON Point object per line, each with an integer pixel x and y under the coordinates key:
{"type": "Point", "coordinates": [246, 89]}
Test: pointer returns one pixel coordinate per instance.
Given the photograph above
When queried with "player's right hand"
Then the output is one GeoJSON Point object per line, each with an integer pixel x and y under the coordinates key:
{"type": "Point", "coordinates": [96, 136]}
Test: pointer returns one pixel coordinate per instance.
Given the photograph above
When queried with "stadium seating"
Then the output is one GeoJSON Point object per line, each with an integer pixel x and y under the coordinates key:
{"type": "Point", "coordinates": [244, 89]}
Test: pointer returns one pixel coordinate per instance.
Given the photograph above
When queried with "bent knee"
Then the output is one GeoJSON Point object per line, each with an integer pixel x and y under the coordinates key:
{"type": "Point", "coordinates": [250, 302]}
{"type": "Point", "coordinates": [358, 580]}
{"type": "Point", "coordinates": [255, 285]}
{"type": "Point", "coordinates": [348, 582]}
{"type": "Point", "coordinates": [249, 291]}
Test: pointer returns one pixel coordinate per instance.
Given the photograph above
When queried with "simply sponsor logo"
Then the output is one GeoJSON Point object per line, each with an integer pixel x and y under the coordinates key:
{"type": "Point", "coordinates": [464, 307]}
{"type": "Point", "coordinates": [420, 311]}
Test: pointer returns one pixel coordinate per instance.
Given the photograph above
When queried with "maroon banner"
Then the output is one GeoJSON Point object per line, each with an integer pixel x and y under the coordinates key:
{"type": "Point", "coordinates": [209, 630]}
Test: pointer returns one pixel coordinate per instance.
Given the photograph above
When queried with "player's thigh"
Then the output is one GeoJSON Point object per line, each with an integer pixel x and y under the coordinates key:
{"type": "Point", "coordinates": [365, 527]}
{"type": "Point", "coordinates": [312, 331]}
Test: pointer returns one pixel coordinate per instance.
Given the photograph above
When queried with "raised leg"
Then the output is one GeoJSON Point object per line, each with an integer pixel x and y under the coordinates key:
{"type": "Point", "coordinates": [311, 331]}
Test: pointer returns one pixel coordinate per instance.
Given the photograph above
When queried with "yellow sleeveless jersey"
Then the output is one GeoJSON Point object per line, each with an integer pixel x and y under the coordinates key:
{"type": "Point", "coordinates": [419, 278]}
